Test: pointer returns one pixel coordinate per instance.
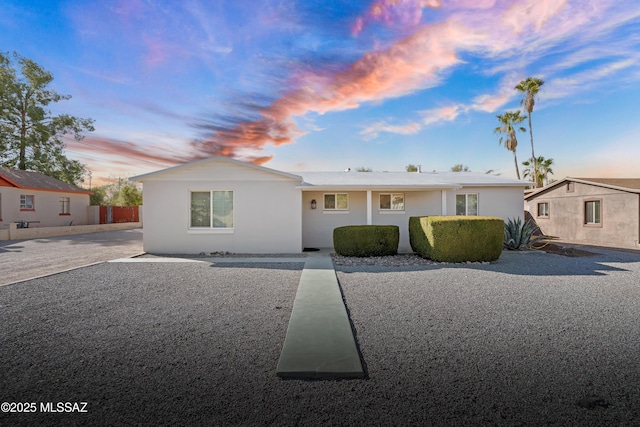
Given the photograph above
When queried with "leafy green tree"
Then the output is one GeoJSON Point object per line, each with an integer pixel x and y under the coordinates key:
{"type": "Point", "coordinates": [509, 122]}
{"type": "Point", "coordinates": [460, 168]}
{"type": "Point", "coordinates": [543, 168]}
{"type": "Point", "coordinates": [411, 168]}
{"type": "Point", "coordinates": [363, 169]}
{"type": "Point", "coordinates": [128, 195]}
{"type": "Point", "coordinates": [99, 196]}
{"type": "Point", "coordinates": [530, 87]}
{"type": "Point", "coordinates": [31, 137]}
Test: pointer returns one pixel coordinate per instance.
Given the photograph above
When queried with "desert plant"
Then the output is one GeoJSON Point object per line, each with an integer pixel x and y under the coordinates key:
{"type": "Point", "coordinates": [518, 236]}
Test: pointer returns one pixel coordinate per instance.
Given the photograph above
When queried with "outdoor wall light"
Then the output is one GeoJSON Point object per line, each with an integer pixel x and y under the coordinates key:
{"type": "Point", "coordinates": [313, 204]}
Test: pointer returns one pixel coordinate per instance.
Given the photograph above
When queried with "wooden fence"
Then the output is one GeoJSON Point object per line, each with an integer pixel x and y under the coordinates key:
{"type": "Point", "coordinates": [118, 214]}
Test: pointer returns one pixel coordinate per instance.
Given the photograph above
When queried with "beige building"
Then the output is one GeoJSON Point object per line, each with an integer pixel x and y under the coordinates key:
{"type": "Point", "coordinates": [596, 211]}
{"type": "Point", "coordinates": [220, 204]}
{"type": "Point", "coordinates": [36, 200]}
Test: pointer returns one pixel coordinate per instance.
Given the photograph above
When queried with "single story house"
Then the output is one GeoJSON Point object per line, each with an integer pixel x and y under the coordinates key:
{"type": "Point", "coordinates": [39, 200]}
{"type": "Point", "coordinates": [221, 204]}
{"type": "Point", "coordinates": [596, 211]}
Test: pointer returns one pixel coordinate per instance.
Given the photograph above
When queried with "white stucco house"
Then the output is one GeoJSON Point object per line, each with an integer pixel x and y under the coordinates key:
{"type": "Point", "coordinates": [220, 204]}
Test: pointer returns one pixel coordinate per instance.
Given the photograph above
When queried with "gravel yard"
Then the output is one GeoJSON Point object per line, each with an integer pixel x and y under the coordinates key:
{"type": "Point", "coordinates": [531, 339]}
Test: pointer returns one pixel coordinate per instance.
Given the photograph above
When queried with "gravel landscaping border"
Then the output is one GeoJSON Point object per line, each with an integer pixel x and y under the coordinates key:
{"type": "Point", "coordinates": [530, 339]}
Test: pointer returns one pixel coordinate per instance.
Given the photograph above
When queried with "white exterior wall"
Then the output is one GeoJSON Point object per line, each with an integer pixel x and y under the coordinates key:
{"type": "Point", "coordinates": [47, 207]}
{"type": "Point", "coordinates": [266, 209]}
{"type": "Point", "coordinates": [318, 225]}
{"type": "Point", "coordinates": [502, 202]}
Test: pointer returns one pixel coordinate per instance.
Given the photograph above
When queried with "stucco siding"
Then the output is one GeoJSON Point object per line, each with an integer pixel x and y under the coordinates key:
{"type": "Point", "coordinates": [501, 202]}
{"type": "Point", "coordinates": [318, 224]}
{"type": "Point", "coordinates": [620, 213]}
{"type": "Point", "coordinates": [266, 217]}
{"type": "Point", "coordinates": [46, 207]}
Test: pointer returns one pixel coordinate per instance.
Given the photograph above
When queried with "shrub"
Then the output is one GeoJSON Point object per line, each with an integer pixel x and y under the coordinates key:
{"type": "Point", "coordinates": [457, 238]}
{"type": "Point", "coordinates": [366, 240]}
{"type": "Point", "coordinates": [519, 236]}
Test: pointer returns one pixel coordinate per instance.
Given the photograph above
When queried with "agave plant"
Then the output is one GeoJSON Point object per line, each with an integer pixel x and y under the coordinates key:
{"type": "Point", "coordinates": [518, 236]}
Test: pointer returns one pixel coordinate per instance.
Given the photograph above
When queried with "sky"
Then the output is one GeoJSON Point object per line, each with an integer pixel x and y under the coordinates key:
{"type": "Point", "coordinates": [307, 85]}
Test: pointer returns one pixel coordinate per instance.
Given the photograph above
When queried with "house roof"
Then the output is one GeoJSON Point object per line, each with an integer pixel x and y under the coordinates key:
{"type": "Point", "coordinates": [30, 180]}
{"type": "Point", "coordinates": [363, 180]}
{"type": "Point", "coordinates": [406, 180]}
{"type": "Point", "coordinates": [214, 159]}
{"type": "Point", "coordinates": [631, 185]}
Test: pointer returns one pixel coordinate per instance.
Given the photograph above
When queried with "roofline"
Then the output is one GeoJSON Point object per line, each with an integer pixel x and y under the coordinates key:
{"type": "Point", "coordinates": [56, 190]}
{"type": "Point", "coordinates": [142, 177]}
{"type": "Point", "coordinates": [581, 181]}
{"type": "Point", "coordinates": [311, 187]}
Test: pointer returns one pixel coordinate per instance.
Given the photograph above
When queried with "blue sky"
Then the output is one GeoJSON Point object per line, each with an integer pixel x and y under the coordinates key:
{"type": "Point", "coordinates": [307, 85]}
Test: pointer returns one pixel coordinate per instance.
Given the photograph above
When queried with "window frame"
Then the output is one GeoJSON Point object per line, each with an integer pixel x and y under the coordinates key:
{"type": "Point", "coordinates": [65, 206]}
{"type": "Point", "coordinates": [335, 201]}
{"type": "Point", "coordinates": [23, 202]}
{"type": "Point", "coordinates": [544, 214]}
{"type": "Point", "coordinates": [466, 204]}
{"type": "Point", "coordinates": [211, 228]}
{"type": "Point", "coordinates": [391, 208]}
{"type": "Point", "coordinates": [586, 211]}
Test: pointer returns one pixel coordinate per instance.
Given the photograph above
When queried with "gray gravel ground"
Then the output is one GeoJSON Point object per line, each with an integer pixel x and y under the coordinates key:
{"type": "Point", "coordinates": [518, 342]}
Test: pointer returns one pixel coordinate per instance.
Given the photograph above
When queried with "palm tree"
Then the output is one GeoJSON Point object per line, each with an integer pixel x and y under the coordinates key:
{"type": "Point", "coordinates": [530, 87]}
{"type": "Point", "coordinates": [509, 122]}
{"type": "Point", "coordinates": [544, 170]}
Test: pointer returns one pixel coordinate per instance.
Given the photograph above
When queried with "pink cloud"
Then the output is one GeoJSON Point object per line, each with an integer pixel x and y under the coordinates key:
{"type": "Point", "coordinates": [396, 13]}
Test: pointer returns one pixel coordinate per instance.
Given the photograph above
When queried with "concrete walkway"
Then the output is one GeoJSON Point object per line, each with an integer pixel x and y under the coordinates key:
{"type": "Point", "coordinates": [319, 341]}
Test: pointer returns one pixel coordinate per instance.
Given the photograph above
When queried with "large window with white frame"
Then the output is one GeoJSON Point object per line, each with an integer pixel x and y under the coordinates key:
{"type": "Point", "coordinates": [211, 209]}
{"type": "Point", "coordinates": [467, 204]}
{"type": "Point", "coordinates": [336, 201]}
{"type": "Point", "coordinates": [391, 201]}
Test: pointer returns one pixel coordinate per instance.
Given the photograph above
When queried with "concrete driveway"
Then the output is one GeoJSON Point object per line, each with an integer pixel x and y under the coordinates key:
{"type": "Point", "coordinates": [28, 259]}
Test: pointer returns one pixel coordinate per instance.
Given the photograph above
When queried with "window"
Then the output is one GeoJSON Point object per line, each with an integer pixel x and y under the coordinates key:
{"type": "Point", "coordinates": [211, 209]}
{"type": "Point", "coordinates": [336, 202]}
{"type": "Point", "coordinates": [467, 204]}
{"type": "Point", "coordinates": [65, 206]}
{"type": "Point", "coordinates": [392, 201]}
{"type": "Point", "coordinates": [26, 202]}
{"type": "Point", "coordinates": [592, 212]}
{"type": "Point", "coordinates": [543, 209]}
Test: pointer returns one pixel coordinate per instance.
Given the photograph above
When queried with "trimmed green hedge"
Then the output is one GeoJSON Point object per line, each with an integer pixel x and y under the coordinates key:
{"type": "Point", "coordinates": [366, 240]}
{"type": "Point", "coordinates": [457, 238]}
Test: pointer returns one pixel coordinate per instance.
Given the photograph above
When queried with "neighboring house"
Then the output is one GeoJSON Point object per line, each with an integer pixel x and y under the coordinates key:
{"type": "Point", "coordinates": [40, 200]}
{"type": "Point", "coordinates": [220, 204]}
{"type": "Point", "coordinates": [595, 211]}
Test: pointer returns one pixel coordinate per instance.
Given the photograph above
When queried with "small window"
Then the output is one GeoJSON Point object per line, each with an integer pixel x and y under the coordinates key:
{"type": "Point", "coordinates": [65, 205]}
{"type": "Point", "coordinates": [467, 204]}
{"type": "Point", "coordinates": [211, 209]}
{"type": "Point", "coordinates": [336, 202]}
{"type": "Point", "coordinates": [26, 202]}
{"type": "Point", "coordinates": [392, 202]}
{"type": "Point", "coordinates": [592, 212]}
{"type": "Point", "coordinates": [543, 209]}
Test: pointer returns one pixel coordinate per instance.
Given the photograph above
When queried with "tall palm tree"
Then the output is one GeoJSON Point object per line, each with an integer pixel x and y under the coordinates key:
{"type": "Point", "coordinates": [544, 170]}
{"type": "Point", "coordinates": [530, 87]}
{"type": "Point", "coordinates": [509, 122]}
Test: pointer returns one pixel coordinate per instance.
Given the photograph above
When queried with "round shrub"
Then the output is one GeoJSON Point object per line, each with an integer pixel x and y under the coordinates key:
{"type": "Point", "coordinates": [366, 240]}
